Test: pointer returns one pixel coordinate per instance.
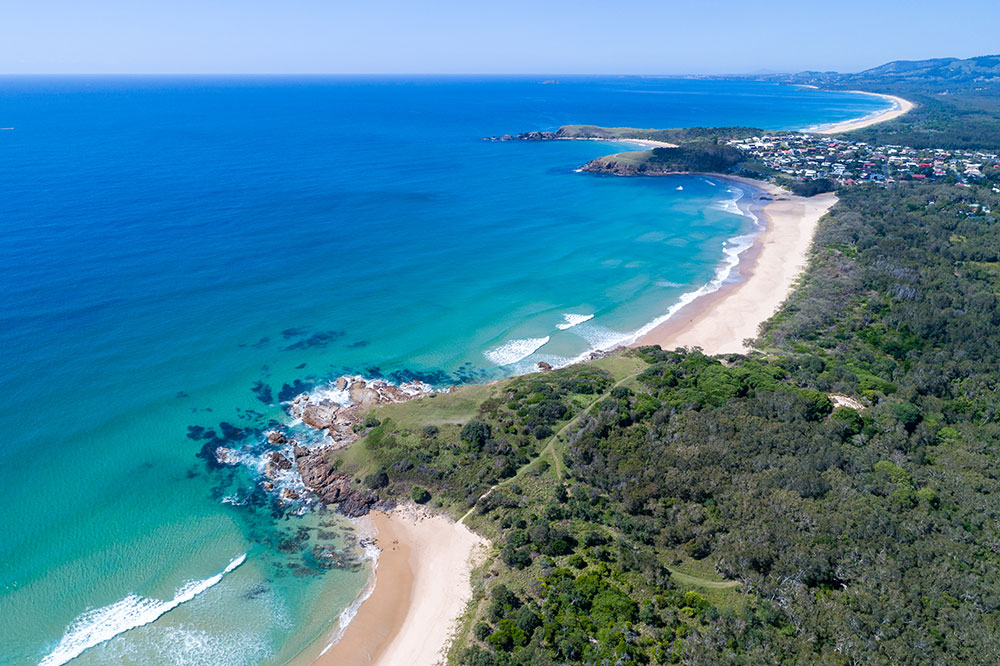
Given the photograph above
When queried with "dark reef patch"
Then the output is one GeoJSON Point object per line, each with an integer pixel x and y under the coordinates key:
{"type": "Point", "coordinates": [289, 391]}
{"type": "Point", "coordinates": [317, 340]}
{"type": "Point", "coordinates": [263, 392]}
{"type": "Point", "coordinates": [230, 432]}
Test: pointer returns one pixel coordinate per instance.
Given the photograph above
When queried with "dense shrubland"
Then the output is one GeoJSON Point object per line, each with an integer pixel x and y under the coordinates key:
{"type": "Point", "coordinates": [676, 508]}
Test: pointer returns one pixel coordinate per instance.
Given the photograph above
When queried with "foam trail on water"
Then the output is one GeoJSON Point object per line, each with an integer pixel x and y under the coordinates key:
{"type": "Point", "coordinates": [572, 320]}
{"type": "Point", "coordinates": [102, 624]}
{"type": "Point", "coordinates": [513, 351]}
{"type": "Point", "coordinates": [602, 339]}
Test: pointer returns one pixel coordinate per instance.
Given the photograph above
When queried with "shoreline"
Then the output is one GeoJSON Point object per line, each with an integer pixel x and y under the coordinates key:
{"type": "Point", "coordinates": [407, 613]}
{"type": "Point", "coordinates": [421, 585]}
{"type": "Point", "coordinates": [900, 107]}
{"type": "Point", "coordinates": [718, 322]}
{"type": "Point", "coordinates": [646, 143]}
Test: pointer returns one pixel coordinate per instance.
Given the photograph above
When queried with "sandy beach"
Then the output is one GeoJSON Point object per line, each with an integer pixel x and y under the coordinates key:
{"type": "Point", "coordinates": [421, 588]}
{"type": "Point", "coordinates": [644, 143]}
{"type": "Point", "coordinates": [719, 322]}
{"type": "Point", "coordinates": [649, 143]}
{"type": "Point", "coordinates": [900, 107]}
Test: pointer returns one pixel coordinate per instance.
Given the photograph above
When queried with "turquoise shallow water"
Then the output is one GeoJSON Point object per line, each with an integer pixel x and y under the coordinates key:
{"type": "Point", "coordinates": [184, 253]}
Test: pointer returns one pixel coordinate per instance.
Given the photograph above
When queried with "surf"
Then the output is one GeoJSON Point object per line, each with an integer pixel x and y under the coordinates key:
{"type": "Point", "coordinates": [102, 624]}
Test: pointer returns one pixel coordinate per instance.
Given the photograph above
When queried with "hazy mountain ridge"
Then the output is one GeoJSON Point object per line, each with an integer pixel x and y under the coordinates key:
{"type": "Point", "coordinates": [942, 74]}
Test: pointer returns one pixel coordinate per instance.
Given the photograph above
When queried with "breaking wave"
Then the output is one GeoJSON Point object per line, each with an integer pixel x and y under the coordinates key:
{"type": "Point", "coordinates": [513, 351]}
{"type": "Point", "coordinates": [572, 320]}
{"type": "Point", "coordinates": [102, 624]}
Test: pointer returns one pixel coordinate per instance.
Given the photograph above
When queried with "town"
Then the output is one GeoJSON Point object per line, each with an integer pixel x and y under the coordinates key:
{"type": "Point", "coordinates": [809, 157]}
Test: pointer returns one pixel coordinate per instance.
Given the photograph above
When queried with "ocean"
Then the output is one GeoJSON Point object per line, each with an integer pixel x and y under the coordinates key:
{"type": "Point", "coordinates": [181, 255]}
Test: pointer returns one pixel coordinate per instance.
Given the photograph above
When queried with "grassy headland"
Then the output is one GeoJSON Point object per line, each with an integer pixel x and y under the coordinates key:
{"type": "Point", "coordinates": [659, 506]}
{"type": "Point", "coordinates": [668, 507]}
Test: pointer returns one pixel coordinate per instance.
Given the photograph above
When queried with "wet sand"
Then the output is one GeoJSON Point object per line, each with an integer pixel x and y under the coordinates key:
{"type": "Point", "coordinates": [421, 588]}
{"type": "Point", "coordinates": [721, 321]}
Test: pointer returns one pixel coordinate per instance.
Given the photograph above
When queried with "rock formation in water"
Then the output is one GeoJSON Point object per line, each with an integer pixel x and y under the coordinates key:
{"type": "Point", "coordinates": [343, 424]}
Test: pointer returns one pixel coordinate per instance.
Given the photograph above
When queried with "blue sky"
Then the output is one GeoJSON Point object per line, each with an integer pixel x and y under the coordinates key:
{"type": "Point", "coordinates": [472, 36]}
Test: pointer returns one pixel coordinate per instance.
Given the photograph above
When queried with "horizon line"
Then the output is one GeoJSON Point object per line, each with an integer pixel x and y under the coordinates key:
{"type": "Point", "coordinates": [386, 74]}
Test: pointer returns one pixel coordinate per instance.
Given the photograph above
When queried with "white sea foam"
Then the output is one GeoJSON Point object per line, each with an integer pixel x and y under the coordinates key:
{"type": "Point", "coordinates": [513, 351]}
{"type": "Point", "coordinates": [572, 320]}
{"type": "Point", "coordinates": [184, 645]}
{"type": "Point", "coordinates": [102, 624]}
{"type": "Point", "coordinates": [731, 205]}
{"type": "Point", "coordinates": [868, 116]}
{"type": "Point", "coordinates": [602, 339]}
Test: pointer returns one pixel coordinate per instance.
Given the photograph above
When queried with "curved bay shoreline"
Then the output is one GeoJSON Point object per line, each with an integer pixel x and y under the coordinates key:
{"type": "Point", "coordinates": [900, 107]}
{"type": "Point", "coordinates": [720, 321]}
{"type": "Point", "coordinates": [422, 583]}
{"type": "Point", "coordinates": [422, 580]}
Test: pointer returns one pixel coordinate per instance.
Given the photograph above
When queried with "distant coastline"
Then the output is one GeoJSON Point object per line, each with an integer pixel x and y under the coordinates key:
{"type": "Point", "coordinates": [900, 107]}
{"type": "Point", "coordinates": [403, 614]}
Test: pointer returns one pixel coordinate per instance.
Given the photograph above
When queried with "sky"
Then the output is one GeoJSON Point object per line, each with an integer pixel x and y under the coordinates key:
{"type": "Point", "coordinates": [477, 37]}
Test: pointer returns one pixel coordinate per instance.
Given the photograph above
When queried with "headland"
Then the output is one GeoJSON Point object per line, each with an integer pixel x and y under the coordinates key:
{"type": "Point", "coordinates": [423, 574]}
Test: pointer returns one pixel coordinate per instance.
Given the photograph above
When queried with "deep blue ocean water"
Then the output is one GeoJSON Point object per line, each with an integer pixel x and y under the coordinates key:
{"type": "Point", "coordinates": [187, 252]}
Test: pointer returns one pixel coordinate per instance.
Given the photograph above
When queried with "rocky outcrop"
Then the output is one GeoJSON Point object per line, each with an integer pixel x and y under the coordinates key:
{"type": "Point", "coordinates": [525, 136]}
{"type": "Point", "coordinates": [362, 396]}
{"type": "Point", "coordinates": [544, 367]}
{"type": "Point", "coordinates": [628, 167]}
{"type": "Point", "coordinates": [613, 167]}
{"type": "Point", "coordinates": [276, 463]}
{"type": "Point", "coordinates": [340, 412]}
{"type": "Point", "coordinates": [341, 421]}
{"type": "Point", "coordinates": [320, 415]}
{"type": "Point", "coordinates": [225, 456]}
{"type": "Point", "coordinates": [331, 487]}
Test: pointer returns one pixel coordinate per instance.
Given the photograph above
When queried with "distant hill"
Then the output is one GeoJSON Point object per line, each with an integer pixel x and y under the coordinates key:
{"type": "Point", "coordinates": [933, 75]}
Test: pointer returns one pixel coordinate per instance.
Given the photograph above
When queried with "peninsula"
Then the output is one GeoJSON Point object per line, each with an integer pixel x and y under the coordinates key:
{"type": "Point", "coordinates": [780, 463]}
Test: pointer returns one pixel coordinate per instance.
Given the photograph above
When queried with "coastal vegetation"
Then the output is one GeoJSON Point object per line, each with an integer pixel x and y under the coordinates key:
{"type": "Point", "coordinates": [677, 135]}
{"type": "Point", "coordinates": [957, 101]}
{"type": "Point", "coordinates": [954, 121]}
{"type": "Point", "coordinates": [698, 156]}
{"type": "Point", "coordinates": [829, 498]}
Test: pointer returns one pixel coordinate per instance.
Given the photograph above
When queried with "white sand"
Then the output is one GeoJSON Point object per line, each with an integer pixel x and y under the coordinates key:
{"type": "Point", "coordinates": [719, 322]}
{"type": "Point", "coordinates": [901, 106]}
{"type": "Point", "coordinates": [422, 587]}
{"type": "Point", "coordinates": [645, 143]}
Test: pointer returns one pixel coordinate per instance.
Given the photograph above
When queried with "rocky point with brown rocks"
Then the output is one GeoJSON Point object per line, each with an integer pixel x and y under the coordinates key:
{"type": "Point", "coordinates": [340, 413]}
